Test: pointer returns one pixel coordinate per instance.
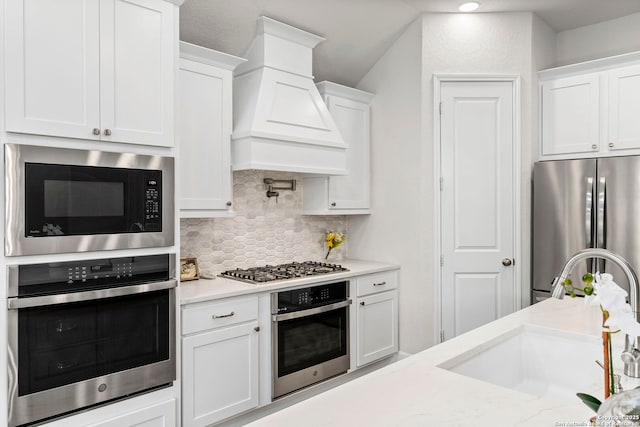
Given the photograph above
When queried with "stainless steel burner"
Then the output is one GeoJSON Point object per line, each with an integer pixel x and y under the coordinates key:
{"type": "Point", "coordinates": [270, 273]}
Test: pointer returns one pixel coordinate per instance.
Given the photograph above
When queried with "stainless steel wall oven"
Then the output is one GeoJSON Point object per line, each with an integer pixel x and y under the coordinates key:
{"type": "Point", "coordinates": [82, 333]}
{"type": "Point", "coordinates": [81, 200]}
{"type": "Point", "coordinates": [310, 335]}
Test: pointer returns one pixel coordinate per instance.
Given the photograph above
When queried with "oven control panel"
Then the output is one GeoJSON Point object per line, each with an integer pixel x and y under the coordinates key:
{"type": "Point", "coordinates": [314, 296]}
{"type": "Point", "coordinates": [82, 275]}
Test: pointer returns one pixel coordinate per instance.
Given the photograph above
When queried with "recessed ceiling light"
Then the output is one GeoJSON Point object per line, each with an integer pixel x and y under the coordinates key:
{"type": "Point", "coordinates": [469, 7]}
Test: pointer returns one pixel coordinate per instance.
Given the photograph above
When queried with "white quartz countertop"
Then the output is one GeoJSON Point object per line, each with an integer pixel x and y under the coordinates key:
{"type": "Point", "coordinates": [221, 287]}
{"type": "Point", "coordinates": [416, 392]}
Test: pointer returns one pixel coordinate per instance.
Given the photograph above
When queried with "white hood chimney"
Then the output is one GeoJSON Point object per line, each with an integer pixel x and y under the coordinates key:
{"type": "Point", "coordinates": [281, 122]}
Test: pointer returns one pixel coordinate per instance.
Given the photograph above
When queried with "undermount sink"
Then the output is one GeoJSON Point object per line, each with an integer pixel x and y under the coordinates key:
{"type": "Point", "coordinates": [542, 362]}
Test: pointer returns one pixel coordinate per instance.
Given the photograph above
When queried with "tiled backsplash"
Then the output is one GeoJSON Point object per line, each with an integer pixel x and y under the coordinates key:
{"type": "Point", "coordinates": [263, 231]}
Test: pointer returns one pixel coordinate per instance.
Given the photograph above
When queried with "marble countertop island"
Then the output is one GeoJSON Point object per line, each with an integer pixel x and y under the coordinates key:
{"type": "Point", "coordinates": [415, 391]}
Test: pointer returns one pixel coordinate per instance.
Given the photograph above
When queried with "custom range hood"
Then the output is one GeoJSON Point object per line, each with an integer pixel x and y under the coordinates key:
{"type": "Point", "coordinates": [281, 122]}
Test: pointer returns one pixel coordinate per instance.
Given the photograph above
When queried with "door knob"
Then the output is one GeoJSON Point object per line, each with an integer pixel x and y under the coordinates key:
{"type": "Point", "coordinates": [507, 262]}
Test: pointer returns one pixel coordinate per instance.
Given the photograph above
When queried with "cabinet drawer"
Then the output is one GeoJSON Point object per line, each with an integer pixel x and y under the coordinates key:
{"type": "Point", "coordinates": [213, 315]}
{"type": "Point", "coordinates": [377, 282]}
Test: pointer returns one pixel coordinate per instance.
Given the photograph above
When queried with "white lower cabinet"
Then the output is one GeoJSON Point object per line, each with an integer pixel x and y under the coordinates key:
{"type": "Point", "coordinates": [220, 360]}
{"type": "Point", "coordinates": [377, 317]}
{"type": "Point", "coordinates": [223, 356]}
{"type": "Point", "coordinates": [160, 415]}
{"type": "Point", "coordinates": [155, 409]}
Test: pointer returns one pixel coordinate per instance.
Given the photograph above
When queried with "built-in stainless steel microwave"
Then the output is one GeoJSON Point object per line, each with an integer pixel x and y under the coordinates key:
{"type": "Point", "coordinates": [64, 200]}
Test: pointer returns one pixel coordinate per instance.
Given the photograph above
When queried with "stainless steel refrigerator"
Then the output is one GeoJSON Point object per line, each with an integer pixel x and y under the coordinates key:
{"type": "Point", "coordinates": [581, 204]}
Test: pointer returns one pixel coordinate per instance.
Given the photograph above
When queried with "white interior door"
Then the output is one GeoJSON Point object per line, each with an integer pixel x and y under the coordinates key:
{"type": "Point", "coordinates": [477, 202]}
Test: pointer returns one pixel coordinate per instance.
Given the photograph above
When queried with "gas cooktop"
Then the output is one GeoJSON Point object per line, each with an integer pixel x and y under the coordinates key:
{"type": "Point", "coordinates": [292, 270]}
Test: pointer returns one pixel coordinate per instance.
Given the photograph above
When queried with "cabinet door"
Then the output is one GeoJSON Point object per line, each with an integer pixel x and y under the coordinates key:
{"type": "Point", "coordinates": [205, 138]}
{"type": "Point", "coordinates": [571, 115]}
{"type": "Point", "coordinates": [352, 119]}
{"type": "Point", "coordinates": [624, 105]}
{"type": "Point", "coordinates": [160, 415]}
{"type": "Point", "coordinates": [52, 67]}
{"type": "Point", "coordinates": [219, 374]}
{"type": "Point", "coordinates": [377, 326]}
{"type": "Point", "coordinates": [137, 58]}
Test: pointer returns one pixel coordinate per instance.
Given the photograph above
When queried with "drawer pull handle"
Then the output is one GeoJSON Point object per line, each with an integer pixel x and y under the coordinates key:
{"type": "Point", "coordinates": [61, 366]}
{"type": "Point", "coordinates": [380, 284]}
{"type": "Point", "coordinates": [221, 316]}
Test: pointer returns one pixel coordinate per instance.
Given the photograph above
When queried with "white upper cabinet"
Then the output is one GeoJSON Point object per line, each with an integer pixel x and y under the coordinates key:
{"type": "Point", "coordinates": [92, 69]}
{"type": "Point", "coordinates": [344, 194]}
{"type": "Point", "coordinates": [624, 108]}
{"type": "Point", "coordinates": [590, 109]}
{"type": "Point", "coordinates": [204, 131]}
{"type": "Point", "coordinates": [571, 115]}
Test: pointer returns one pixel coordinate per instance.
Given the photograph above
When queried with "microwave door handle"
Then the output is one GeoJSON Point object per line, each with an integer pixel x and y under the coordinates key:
{"type": "Point", "coordinates": [25, 302]}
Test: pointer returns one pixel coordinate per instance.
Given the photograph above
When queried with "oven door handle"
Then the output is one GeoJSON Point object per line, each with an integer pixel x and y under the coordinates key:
{"type": "Point", "coordinates": [25, 302]}
{"type": "Point", "coordinates": [311, 311]}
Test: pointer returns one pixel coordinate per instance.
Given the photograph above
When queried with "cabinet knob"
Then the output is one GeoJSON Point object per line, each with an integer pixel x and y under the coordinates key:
{"type": "Point", "coordinates": [96, 131]}
{"type": "Point", "coordinates": [611, 145]}
{"type": "Point", "coordinates": [362, 303]}
{"type": "Point", "coordinates": [257, 329]}
{"type": "Point", "coordinates": [333, 204]}
{"type": "Point", "coordinates": [229, 203]}
{"type": "Point", "coordinates": [107, 132]}
{"type": "Point", "coordinates": [507, 262]}
{"type": "Point", "coordinates": [594, 146]}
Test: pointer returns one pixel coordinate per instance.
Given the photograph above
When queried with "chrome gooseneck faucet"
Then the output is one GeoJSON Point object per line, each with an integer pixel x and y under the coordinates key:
{"type": "Point", "coordinates": [631, 354]}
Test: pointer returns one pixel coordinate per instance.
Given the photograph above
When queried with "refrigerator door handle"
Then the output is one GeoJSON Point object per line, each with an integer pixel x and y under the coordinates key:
{"type": "Point", "coordinates": [588, 212]}
{"type": "Point", "coordinates": [601, 238]}
{"type": "Point", "coordinates": [602, 193]}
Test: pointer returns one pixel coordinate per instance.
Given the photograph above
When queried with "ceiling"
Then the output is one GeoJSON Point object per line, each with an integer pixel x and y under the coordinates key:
{"type": "Point", "coordinates": [358, 32]}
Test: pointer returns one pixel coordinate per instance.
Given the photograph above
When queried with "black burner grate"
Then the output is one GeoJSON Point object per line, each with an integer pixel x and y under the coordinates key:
{"type": "Point", "coordinates": [292, 270]}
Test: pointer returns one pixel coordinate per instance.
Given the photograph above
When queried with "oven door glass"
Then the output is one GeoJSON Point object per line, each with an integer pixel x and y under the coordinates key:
{"type": "Point", "coordinates": [307, 341]}
{"type": "Point", "coordinates": [85, 200]}
{"type": "Point", "coordinates": [66, 343]}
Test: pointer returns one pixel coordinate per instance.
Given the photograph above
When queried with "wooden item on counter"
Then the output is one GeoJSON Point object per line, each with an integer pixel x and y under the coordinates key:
{"type": "Point", "coordinates": [189, 269]}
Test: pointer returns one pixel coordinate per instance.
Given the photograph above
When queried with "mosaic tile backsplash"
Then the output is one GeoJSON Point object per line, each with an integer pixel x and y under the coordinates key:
{"type": "Point", "coordinates": [262, 232]}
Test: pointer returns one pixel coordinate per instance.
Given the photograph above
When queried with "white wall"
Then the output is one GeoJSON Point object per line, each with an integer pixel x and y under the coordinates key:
{"type": "Point", "coordinates": [543, 56]}
{"type": "Point", "coordinates": [391, 233]}
{"type": "Point", "coordinates": [402, 227]}
{"type": "Point", "coordinates": [608, 38]}
{"type": "Point", "coordinates": [486, 43]}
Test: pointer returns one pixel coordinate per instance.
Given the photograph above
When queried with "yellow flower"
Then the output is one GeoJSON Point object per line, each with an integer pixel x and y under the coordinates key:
{"type": "Point", "coordinates": [334, 239]}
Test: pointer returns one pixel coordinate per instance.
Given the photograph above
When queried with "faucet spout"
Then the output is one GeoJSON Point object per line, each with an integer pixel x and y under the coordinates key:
{"type": "Point", "coordinates": [558, 289]}
{"type": "Point", "coordinates": [631, 353]}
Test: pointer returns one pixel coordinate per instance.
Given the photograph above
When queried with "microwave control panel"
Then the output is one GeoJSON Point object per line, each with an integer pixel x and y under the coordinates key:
{"type": "Point", "coordinates": [153, 202]}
